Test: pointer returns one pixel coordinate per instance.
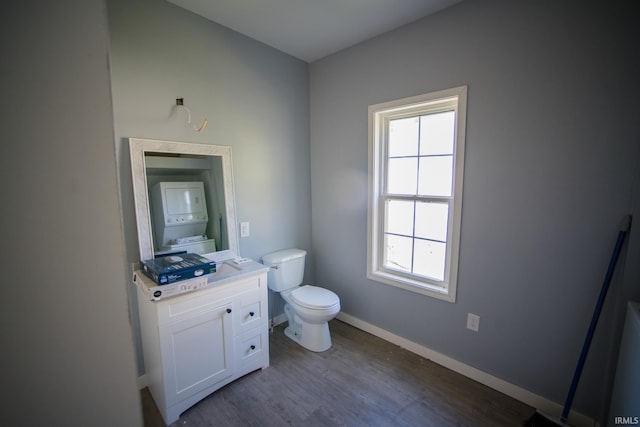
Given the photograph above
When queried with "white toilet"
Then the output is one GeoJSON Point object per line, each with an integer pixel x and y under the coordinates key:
{"type": "Point", "coordinates": [308, 308]}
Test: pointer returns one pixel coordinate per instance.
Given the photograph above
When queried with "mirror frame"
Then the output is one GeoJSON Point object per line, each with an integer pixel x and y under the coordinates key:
{"type": "Point", "coordinates": [138, 147]}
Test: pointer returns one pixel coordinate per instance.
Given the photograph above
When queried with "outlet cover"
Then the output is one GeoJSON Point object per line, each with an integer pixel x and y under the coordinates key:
{"type": "Point", "coordinates": [473, 322]}
{"type": "Point", "coordinates": [244, 229]}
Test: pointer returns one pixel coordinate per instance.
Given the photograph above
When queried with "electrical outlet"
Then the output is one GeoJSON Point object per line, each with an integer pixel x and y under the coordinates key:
{"type": "Point", "coordinates": [244, 229]}
{"type": "Point", "coordinates": [473, 322]}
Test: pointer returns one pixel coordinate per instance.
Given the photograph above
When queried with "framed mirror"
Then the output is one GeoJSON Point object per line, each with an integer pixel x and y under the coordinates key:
{"type": "Point", "coordinates": [184, 197]}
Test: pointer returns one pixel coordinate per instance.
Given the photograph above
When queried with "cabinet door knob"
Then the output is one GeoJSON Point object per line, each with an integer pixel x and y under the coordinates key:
{"type": "Point", "coordinates": [251, 313]}
{"type": "Point", "coordinates": [228, 310]}
{"type": "Point", "coordinates": [253, 347]}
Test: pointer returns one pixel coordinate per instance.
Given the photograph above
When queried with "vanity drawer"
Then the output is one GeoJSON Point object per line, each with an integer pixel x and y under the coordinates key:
{"type": "Point", "coordinates": [187, 305]}
{"type": "Point", "coordinates": [244, 292]}
{"type": "Point", "coordinates": [251, 316]}
{"type": "Point", "coordinates": [251, 310]}
{"type": "Point", "coordinates": [253, 350]}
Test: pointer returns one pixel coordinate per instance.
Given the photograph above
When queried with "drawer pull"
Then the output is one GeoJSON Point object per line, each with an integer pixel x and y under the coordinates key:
{"type": "Point", "coordinates": [251, 313]}
{"type": "Point", "coordinates": [253, 347]}
{"type": "Point", "coordinates": [228, 310]}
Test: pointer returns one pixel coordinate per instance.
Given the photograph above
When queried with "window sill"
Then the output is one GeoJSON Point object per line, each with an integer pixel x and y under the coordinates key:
{"type": "Point", "coordinates": [444, 293]}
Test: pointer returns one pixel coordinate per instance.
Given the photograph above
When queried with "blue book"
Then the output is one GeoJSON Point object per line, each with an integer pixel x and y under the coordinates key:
{"type": "Point", "coordinates": [173, 268]}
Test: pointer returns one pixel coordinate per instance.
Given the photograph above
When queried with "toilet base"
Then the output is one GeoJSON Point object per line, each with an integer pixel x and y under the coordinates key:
{"type": "Point", "coordinates": [314, 337]}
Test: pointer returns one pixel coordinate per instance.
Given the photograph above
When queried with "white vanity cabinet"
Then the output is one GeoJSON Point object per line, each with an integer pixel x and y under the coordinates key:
{"type": "Point", "coordinates": [197, 342]}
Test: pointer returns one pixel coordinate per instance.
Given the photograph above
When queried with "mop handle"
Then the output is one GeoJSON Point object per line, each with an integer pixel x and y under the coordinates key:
{"type": "Point", "coordinates": [624, 228]}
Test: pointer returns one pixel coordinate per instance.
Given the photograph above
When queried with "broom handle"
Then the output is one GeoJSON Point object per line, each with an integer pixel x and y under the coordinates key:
{"type": "Point", "coordinates": [624, 228]}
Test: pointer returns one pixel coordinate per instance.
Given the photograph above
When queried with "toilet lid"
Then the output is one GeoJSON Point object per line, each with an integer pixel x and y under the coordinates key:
{"type": "Point", "coordinates": [314, 297]}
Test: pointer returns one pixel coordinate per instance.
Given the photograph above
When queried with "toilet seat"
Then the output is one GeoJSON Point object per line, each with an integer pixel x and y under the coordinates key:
{"type": "Point", "coordinates": [314, 297]}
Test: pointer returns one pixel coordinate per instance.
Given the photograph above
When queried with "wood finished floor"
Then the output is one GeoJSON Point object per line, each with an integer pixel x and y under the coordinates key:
{"type": "Point", "coordinates": [361, 381]}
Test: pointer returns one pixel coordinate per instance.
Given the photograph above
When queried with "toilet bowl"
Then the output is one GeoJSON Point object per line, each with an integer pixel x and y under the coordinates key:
{"type": "Point", "coordinates": [308, 308]}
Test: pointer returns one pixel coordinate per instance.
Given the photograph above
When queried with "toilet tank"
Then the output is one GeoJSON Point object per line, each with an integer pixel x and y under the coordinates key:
{"type": "Point", "coordinates": [287, 268]}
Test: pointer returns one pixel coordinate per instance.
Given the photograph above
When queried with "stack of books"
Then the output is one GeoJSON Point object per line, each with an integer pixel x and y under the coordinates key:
{"type": "Point", "coordinates": [173, 268]}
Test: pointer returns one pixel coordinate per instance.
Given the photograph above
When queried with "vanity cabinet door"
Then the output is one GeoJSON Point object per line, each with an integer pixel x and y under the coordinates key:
{"type": "Point", "coordinates": [198, 352]}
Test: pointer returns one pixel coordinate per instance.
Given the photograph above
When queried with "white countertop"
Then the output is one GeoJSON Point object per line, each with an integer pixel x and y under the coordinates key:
{"type": "Point", "coordinates": [227, 270]}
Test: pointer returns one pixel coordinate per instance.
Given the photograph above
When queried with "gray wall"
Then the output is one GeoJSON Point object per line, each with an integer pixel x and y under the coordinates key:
{"type": "Point", "coordinates": [552, 157]}
{"type": "Point", "coordinates": [256, 101]}
{"type": "Point", "coordinates": [552, 160]}
{"type": "Point", "coordinates": [67, 350]}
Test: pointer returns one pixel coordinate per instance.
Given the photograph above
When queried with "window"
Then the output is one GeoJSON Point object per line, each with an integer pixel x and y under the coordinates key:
{"type": "Point", "coordinates": [416, 160]}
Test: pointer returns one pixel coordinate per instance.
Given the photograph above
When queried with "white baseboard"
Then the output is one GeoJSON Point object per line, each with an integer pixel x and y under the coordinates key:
{"type": "Point", "coordinates": [279, 319]}
{"type": "Point", "coordinates": [545, 405]}
{"type": "Point", "coordinates": [142, 381]}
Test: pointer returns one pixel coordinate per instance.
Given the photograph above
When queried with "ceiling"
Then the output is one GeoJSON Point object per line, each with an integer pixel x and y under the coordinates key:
{"type": "Point", "coordinates": [313, 29]}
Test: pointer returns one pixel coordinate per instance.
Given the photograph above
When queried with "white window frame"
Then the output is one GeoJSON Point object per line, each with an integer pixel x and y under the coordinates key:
{"type": "Point", "coordinates": [379, 117]}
